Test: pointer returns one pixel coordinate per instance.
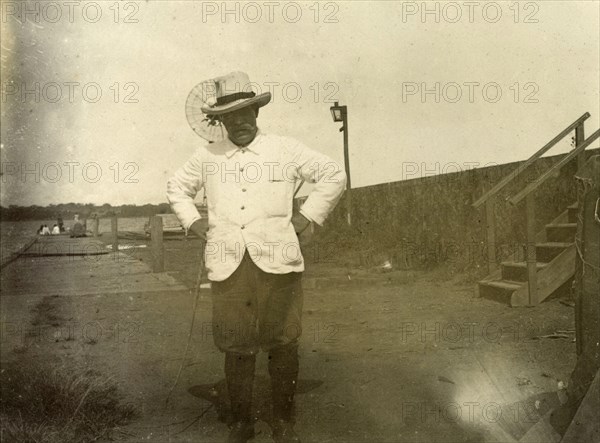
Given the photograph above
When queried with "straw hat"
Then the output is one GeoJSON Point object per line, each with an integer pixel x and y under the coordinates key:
{"type": "Point", "coordinates": [232, 92]}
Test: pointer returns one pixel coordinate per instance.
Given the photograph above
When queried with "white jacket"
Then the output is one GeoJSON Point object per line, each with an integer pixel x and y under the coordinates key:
{"type": "Point", "coordinates": [250, 199]}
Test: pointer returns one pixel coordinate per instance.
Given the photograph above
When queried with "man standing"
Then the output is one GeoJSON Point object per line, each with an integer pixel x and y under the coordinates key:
{"type": "Point", "coordinates": [252, 252]}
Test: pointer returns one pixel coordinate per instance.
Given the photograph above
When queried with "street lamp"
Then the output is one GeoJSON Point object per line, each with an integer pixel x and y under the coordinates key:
{"type": "Point", "coordinates": [340, 114]}
{"type": "Point", "coordinates": [337, 112]}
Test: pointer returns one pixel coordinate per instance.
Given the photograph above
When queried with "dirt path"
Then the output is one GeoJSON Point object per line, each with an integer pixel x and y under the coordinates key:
{"type": "Point", "coordinates": [410, 358]}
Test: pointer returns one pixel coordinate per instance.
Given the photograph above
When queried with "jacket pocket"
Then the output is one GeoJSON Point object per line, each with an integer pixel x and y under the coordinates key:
{"type": "Point", "coordinates": [277, 199]}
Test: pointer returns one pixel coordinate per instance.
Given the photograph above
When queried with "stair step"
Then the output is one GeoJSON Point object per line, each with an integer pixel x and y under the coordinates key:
{"type": "Point", "coordinates": [547, 251]}
{"type": "Point", "coordinates": [510, 285]}
{"type": "Point", "coordinates": [517, 271]}
{"type": "Point", "coordinates": [561, 232]}
{"type": "Point", "coordinates": [498, 290]}
{"type": "Point", "coordinates": [572, 213]}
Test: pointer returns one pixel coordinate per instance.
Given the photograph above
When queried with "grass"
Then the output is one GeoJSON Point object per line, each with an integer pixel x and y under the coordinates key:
{"type": "Point", "coordinates": [43, 404]}
{"type": "Point", "coordinates": [45, 312]}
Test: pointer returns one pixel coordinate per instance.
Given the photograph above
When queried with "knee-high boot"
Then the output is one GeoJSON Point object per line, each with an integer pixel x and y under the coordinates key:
{"type": "Point", "coordinates": [239, 373]}
{"type": "Point", "coordinates": [283, 369]}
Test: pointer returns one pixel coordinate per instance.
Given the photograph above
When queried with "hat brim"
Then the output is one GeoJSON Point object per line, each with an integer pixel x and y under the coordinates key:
{"type": "Point", "coordinates": [259, 100]}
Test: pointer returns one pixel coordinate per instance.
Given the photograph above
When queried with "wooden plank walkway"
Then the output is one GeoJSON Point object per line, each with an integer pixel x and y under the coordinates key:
{"type": "Point", "coordinates": [63, 245]}
{"type": "Point", "coordinates": [83, 266]}
{"type": "Point", "coordinates": [8, 254]}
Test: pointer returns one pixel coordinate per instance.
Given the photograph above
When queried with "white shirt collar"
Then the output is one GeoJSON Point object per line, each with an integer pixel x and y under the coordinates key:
{"type": "Point", "coordinates": [231, 148]}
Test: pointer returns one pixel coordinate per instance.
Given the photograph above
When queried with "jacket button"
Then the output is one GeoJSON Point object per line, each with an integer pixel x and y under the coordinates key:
{"type": "Point", "coordinates": [243, 189]}
{"type": "Point", "coordinates": [243, 207]}
{"type": "Point", "coordinates": [242, 169]}
{"type": "Point", "coordinates": [243, 226]}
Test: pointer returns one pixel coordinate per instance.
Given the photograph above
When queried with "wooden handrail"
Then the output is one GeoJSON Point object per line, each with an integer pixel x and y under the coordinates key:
{"type": "Point", "coordinates": [506, 180]}
{"type": "Point", "coordinates": [542, 178]}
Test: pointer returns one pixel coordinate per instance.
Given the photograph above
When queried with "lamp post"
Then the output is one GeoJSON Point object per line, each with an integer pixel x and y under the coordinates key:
{"type": "Point", "coordinates": [340, 114]}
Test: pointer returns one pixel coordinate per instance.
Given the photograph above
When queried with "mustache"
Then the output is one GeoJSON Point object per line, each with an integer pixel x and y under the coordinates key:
{"type": "Point", "coordinates": [242, 126]}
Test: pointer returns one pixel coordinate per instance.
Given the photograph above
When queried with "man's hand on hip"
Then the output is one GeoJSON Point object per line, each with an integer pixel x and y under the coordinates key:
{"type": "Point", "coordinates": [199, 228]}
{"type": "Point", "coordinates": [300, 223]}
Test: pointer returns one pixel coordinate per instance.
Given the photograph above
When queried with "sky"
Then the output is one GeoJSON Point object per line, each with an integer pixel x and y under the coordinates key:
{"type": "Point", "coordinates": [430, 87]}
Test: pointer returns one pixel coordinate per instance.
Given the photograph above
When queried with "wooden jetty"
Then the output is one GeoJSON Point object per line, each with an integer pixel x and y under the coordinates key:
{"type": "Point", "coordinates": [60, 265]}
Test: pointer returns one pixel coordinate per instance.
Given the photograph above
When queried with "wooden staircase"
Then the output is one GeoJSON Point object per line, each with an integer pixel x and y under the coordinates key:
{"type": "Point", "coordinates": [548, 261]}
{"type": "Point", "coordinates": [555, 265]}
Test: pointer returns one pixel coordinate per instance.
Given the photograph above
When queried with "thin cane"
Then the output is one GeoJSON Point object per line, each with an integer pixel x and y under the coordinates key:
{"type": "Point", "coordinates": [189, 339]}
{"type": "Point", "coordinates": [298, 188]}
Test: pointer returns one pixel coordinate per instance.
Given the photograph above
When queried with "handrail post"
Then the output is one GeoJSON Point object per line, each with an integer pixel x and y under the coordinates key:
{"type": "Point", "coordinates": [96, 226]}
{"type": "Point", "coordinates": [347, 165]}
{"type": "Point", "coordinates": [579, 139]}
{"type": "Point", "coordinates": [158, 249]}
{"type": "Point", "coordinates": [490, 223]}
{"type": "Point", "coordinates": [115, 235]}
{"type": "Point", "coordinates": [531, 252]}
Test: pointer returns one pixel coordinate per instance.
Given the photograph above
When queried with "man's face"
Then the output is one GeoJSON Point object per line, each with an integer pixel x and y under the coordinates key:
{"type": "Point", "coordinates": [241, 125]}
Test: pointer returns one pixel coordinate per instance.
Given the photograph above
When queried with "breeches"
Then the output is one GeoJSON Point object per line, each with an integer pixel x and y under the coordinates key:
{"type": "Point", "coordinates": [254, 310]}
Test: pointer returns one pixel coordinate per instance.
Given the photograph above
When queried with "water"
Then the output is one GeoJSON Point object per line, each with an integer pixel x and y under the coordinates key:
{"type": "Point", "coordinates": [130, 224]}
